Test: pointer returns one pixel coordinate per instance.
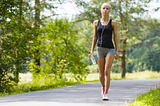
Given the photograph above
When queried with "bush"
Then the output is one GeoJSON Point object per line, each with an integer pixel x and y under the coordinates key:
{"type": "Point", "coordinates": [14, 53]}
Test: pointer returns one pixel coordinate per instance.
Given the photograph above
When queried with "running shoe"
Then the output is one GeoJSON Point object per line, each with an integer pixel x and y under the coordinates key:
{"type": "Point", "coordinates": [105, 97]}
{"type": "Point", "coordinates": [102, 91]}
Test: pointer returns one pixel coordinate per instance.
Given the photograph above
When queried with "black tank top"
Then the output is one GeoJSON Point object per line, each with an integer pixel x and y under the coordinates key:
{"type": "Point", "coordinates": [104, 34]}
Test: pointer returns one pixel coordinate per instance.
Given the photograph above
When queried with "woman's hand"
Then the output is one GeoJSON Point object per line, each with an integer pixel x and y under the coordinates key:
{"type": "Point", "coordinates": [90, 55]}
{"type": "Point", "coordinates": [117, 55]}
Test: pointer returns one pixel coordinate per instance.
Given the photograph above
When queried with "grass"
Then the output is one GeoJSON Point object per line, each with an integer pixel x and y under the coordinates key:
{"type": "Point", "coordinates": [42, 82]}
{"type": "Point", "coordinates": [129, 76]}
{"type": "Point", "coordinates": [151, 98]}
{"type": "Point", "coordinates": [147, 74]}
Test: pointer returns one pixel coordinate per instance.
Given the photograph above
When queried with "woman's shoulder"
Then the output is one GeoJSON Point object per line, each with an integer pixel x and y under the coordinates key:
{"type": "Point", "coordinates": [95, 22]}
{"type": "Point", "coordinates": [114, 22]}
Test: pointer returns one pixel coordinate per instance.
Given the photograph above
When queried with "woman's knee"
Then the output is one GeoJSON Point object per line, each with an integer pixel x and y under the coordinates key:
{"type": "Point", "coordinates": [101, 76]}
{"type": "Point", "coordinates": [107, 72]}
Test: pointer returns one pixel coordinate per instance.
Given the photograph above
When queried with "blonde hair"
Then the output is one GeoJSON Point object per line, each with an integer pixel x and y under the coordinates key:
{"type": "Point", "coordinates": [106, 4]}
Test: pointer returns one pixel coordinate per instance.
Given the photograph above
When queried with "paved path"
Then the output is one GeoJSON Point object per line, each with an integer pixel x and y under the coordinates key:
{"type": "Point", "coordinates": [88, 94]}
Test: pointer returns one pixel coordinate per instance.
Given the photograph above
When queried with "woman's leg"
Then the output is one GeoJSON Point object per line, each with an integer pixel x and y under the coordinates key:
{"type": "Point", "coordinates": [101, 67]}
{"type": "Point", "coordinates": [109, 61]}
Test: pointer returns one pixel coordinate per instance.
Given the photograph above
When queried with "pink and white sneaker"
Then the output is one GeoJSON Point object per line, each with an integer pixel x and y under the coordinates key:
{"type": "Point", "coordinates": [102, 91]}
{"type": "Point", "coordinates": [105, 97]}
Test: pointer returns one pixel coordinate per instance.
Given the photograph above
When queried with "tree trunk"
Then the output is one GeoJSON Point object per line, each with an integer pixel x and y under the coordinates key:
{"type": "Point", "coordinates": [123, 62]}
{"type": "Point", "coordinates": [123, 66]}
{"type": "Point", "coordinates": [123, 20]}
{"type": "Point", "coordinates": [37, 26]}
{"type": "Point", "coordinates": [16, 74]}
{"type": "Point", "coordinates": [124, 42]}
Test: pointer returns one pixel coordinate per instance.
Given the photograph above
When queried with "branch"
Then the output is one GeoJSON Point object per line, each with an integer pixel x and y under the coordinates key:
{"type": "Point", "coordinates": [48, 16]}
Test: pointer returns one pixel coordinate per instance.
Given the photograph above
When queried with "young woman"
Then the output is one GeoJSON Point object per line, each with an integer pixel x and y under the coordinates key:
{"type": "Point", "coordinates": [103, 29]}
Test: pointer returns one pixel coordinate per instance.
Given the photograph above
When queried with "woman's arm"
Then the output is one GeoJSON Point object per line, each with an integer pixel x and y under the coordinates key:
{"type": "Point", "coordinates": [114, 24]}
{"type": "Point", "coordinates": [94, 41]}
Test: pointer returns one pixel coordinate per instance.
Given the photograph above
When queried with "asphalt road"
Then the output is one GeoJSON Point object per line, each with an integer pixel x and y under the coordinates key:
{"type": "Point", "coordinates": [88, 94]}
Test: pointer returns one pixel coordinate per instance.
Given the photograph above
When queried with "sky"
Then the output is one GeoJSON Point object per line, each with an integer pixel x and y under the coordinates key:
{"type": "Point", "coordinates": [69, 10]}
{"type": "Point", "coordinates": [154, 14]}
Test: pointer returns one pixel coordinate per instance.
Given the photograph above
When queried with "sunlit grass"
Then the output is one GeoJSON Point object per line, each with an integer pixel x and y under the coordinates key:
{"type": "Point", "coordinates": [136, 75]}
{"type": "Point", "coordinates": [39, 83]}
{"type": "Point", "coordinates": [114, 76]}
{"type": "Point", "coordinates": [151, 98]}
{"type": "Point", "coordinates": [147, 74]}
{"type": "Point", "coordinates": [95, 76]}
{"type": "Point", "coordinates": [143, 75]}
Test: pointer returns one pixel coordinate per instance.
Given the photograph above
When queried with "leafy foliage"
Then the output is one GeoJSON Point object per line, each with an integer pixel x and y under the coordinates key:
{"type": "Point", "coordinates": [21, 41]}
{"type": "Point", "coordinates": [147, 52]}
{"type": "Point", "coordinates": [15, 51]}
{"type": "Point", "coordinates": [14, 44]}
{"type": "Point", "coordinates": [60, 52]}
{"type": "Point", "coordinates": [133, 23]}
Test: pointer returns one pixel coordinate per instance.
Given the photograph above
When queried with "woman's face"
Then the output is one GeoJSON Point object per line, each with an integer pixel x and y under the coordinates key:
{"type": "Point", "coordinates": [105, 9]}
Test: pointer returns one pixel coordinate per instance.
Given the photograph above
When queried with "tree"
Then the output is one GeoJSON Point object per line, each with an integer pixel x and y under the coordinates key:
{"type": "Point", "coordinates": [86, 32]}
{"type": "Point", "coordinates": [37, 28]}
{"type": "Point", "coordinates": [21, 28]}
{"type": "Point", "coordinates": [60, 52]}
{"type": "Point", "coordinates": [14, 43]}
{"type": "Point", "coordinates": [38, 22]}
{"type": "Point", "coordinates": [143, 51]}
{"type": "Point", "coordinates": [130, 17]}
